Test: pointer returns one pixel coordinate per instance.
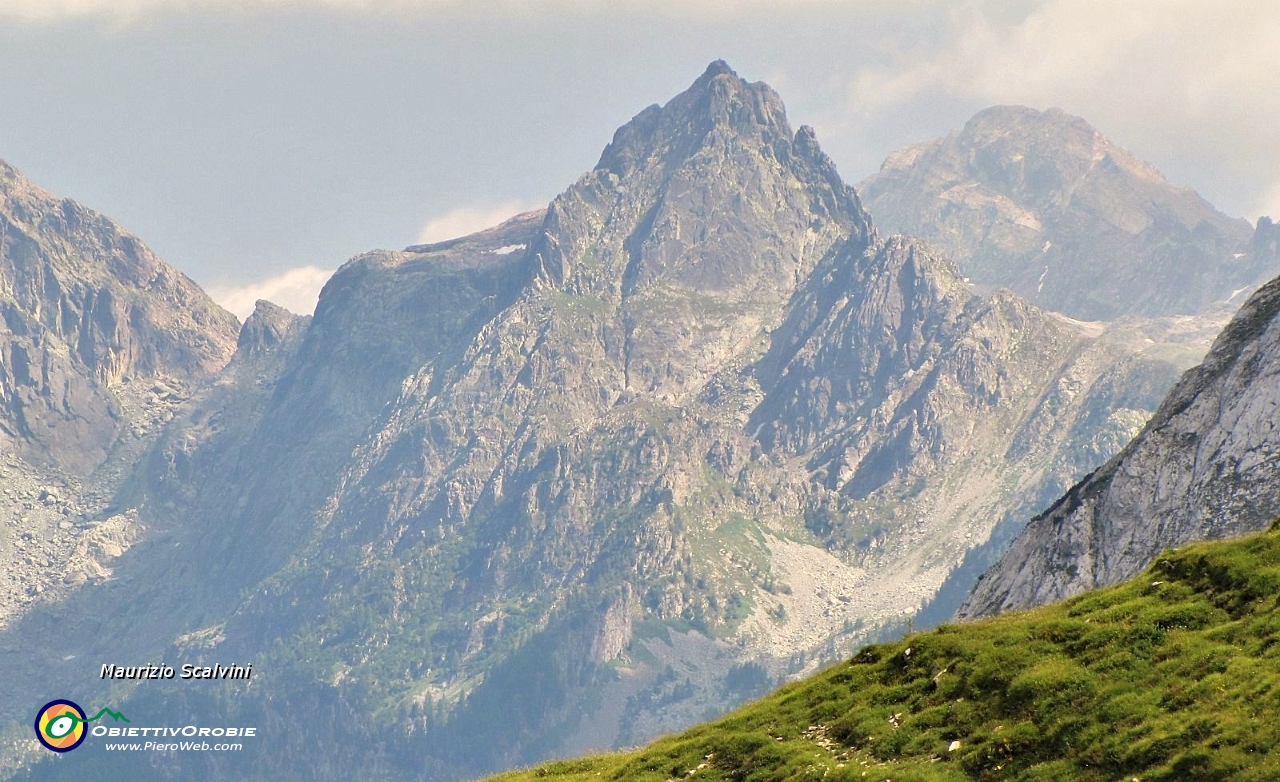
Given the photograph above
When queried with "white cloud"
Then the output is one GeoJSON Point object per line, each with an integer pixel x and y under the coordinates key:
{"type": "Point", "coordinates": [297, 290]}
{"type": "Point", "coordinates": [469, 219]}
{"type": "Point", "coordinates": [1178, 51]}
{"type": "Point", "coordinates": [49, 10]}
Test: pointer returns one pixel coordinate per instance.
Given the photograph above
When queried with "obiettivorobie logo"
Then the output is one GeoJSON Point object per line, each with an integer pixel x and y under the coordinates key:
{"type": "Point", "coordinates": [60, 724]}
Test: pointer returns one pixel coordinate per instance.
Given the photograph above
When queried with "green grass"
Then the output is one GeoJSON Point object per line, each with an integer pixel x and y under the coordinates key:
{"type": "Point", "coordinates": [1172, 676]}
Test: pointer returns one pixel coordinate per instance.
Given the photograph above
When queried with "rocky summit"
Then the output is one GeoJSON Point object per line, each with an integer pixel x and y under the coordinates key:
{"type": "Point", "coordinates": [1042, 203]}
{"type": "Point", "coordinates": [581, 478]}
{"type": "Point", "coordinates": [1206, 466]}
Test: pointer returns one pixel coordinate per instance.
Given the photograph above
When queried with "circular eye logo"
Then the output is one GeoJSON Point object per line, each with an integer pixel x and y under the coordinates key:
{"type": "Point", "coordinates": [60, 725]}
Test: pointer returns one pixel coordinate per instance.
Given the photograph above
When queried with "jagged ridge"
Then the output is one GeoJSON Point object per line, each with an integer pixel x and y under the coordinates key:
{"type": "Point", "coordinates": [696, 417]}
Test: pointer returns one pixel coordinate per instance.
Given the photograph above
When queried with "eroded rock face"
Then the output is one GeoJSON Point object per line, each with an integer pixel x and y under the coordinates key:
{"type": "Point", "coordinates": [1042, 203]}
{"type": "Point", "coordinates": [87, 307]}
{"type": "Point", "coordinates": [1207, 465]}
{"type": "Point", "coordinates": [542, 454]}
{"type": "Point", "coordinates": [100, 342]}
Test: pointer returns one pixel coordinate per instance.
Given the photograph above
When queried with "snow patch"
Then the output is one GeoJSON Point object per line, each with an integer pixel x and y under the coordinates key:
{"type": "Point", "coordinates": [507, 249]}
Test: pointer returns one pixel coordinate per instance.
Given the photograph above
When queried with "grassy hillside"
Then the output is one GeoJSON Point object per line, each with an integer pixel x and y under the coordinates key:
{"type": "Point", "coordinates": [1172, 676]}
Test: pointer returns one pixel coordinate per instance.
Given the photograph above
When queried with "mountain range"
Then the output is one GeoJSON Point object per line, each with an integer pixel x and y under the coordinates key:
{"type": "Point", "coordinates": [595, 473]}
{"type": "Point", "coordinates": [1164, 677]}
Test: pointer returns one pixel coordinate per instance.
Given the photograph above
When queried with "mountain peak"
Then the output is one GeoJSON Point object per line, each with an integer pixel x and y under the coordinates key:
{"type": "Point", "coordinates": [1011, 115]}
{"type": "Point", "coordinates": [710, 195]}
{"type": "Point", "coordinates": [717, 68]}
{"type": "Point", "coordinates": [1068, 143]}
{"type": "Point", "coordinates": [88, 307]}
{"type": "Point", "coordinates": [718, 106]}
{"type": "Point", "coordinates": [1266, 237]}
{"type": "Point", "coordinates": [692, 182]}
{"type": "Point", "coordinates": [14, 186]}
{"type": "Point", "coordinates": [266, 327]}
{"type": "Point", "coordinates": [1043, 203]}
{"type": "Point", "coordinates": [99, 288]}
{"type": "Point", "coordinates": [719, 79]}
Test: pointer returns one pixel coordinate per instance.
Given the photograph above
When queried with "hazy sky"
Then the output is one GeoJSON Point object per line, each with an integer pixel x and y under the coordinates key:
{"type": "Point", "coordinates": [257, 144]}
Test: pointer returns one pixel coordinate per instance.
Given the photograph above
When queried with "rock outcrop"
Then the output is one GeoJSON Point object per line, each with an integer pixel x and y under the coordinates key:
{"type": "Point", "coordinates": [86, 309]}
{"type": "Point", "coordinates": [100, 342]}
{"type": "Point", "coordinates": [1207, 465]}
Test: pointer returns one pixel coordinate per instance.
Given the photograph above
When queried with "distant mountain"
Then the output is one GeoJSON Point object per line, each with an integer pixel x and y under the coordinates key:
{"type": "Point", "coordinates": [587, 476]}
{"type": "Point", "coordinates": [1207, 465]}
{"type": "Point", "coordinates": [1042, 203]}
{"type": "Point", "coordinates": [1153, 679]}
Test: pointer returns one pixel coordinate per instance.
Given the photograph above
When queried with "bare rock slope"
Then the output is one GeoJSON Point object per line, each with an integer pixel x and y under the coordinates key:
{"type": "Point", "coordinates": [100, 342]}
{"type": "Point", "coordinates": [580, 478]}
{"type": "Point", "coordinates": [1207, 465]}
{"type": "Point", "coordinates": [88, 308]}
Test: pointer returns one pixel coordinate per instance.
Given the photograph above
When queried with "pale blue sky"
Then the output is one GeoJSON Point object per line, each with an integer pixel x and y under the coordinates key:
{"type": "Point", "coordinates": [243, 139]}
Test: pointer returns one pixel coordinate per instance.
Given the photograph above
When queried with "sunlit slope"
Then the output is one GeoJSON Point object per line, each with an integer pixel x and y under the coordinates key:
{"type": "Point", "coordinates": [1174, 675]}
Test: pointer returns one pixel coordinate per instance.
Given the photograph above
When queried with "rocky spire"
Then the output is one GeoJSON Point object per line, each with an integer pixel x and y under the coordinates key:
{"type": "Point", "coordinates": [684, 190]}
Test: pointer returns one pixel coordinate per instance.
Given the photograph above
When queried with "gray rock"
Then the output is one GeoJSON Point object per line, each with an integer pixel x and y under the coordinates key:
{"type": "Point", "coordinates": [1206, 466]}
{"type": "Point", "coordinates": [86, 306]}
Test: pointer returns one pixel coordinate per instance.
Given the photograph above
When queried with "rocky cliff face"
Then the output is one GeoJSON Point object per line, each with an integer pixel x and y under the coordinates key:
{"type": "Point", "coordinates": [583, 477]}
{"type": "Point", "coordinates": [87, 308]}
{"type": "Point", "coordinates": [1042, 203]}
{"type": "Point", "coordinates": [99, 343]}
{"type": "Point", "coordinates": [1207, 465]}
